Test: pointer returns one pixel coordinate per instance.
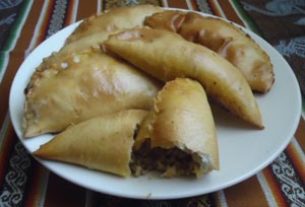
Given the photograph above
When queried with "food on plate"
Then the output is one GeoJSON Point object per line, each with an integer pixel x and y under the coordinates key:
{"type": "Point", "coordinates": [81, 86]}
{"type": "Point", "coordinates": [166, 56]}
{"type": "Point", "coordinates": [224, 38]}
{"type": "Point", "coordinates": [102, 143]}
{"type": "Point", "coordinates": [113, 20]}
{"type": "Point", "coordinates": [95, 29]}
{"type": "Point", "coordinates": [178, 138]}
{"type": "Point", "coordinates": [170, 20]}
{"type": "Point", "coordinates": [111, 116]}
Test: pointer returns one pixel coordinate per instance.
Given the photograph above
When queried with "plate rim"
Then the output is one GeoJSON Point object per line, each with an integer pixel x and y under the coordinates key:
{"type": "Point", "coordinates": [185, 194]}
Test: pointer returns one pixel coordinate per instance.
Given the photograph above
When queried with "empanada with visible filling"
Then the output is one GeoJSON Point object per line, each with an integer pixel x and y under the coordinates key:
{"type": "Point", "coordinates": [224, 38]}
{"type": "Point", "coordinates": [178, 138]}
{"type": "Point", "coordinates": [166, 56]}
{"type": "Point", "coordinates": [82, 86]}
{"type": "Point", "coordinates": [102, 143]}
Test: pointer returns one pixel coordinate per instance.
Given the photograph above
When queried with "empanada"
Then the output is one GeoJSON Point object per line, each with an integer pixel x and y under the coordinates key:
{"type": "Point", "coordinates": [82, 86]}
{"type": "Point", "coordinates": [95, 29]}
{"type": "Point", "coordinates": [166, 55]}
{"type": "Point", "coordinates": [103, 143]}
{"type": "Point", "coordinates": [179, 137]}
{"type": "Point", "coordinates": [224, 38]}
{"type": "Point", "coordinates": [113, 20]}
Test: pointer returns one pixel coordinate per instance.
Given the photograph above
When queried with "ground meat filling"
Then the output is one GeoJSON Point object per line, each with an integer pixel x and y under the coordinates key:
{"type": "Point", "coordinates": [168, 162]}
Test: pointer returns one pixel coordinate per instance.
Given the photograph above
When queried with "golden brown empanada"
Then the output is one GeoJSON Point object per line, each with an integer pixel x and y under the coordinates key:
{"type": "Point", "coordinates": [82, 86]}
{"type": "Point", "coordinates": [165, 55]}
{"type": "Point", "coordinates": [179, 136]}
{"type": "Point", "coordinates": [113, 20]}
{"type": "Point", "coordinates": [103, 143]}
{"type": "Point", "coordinates": [225, 39]}
{"type": "Point", "coordinates": [95, 30]}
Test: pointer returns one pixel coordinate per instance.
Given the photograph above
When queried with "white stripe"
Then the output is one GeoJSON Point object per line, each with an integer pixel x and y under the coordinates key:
{"type": "Point", "coordinates": [189, 5]}
{"type": "Point", "coordinates": [34, 40]}
{"type": "Point", "coordinates": [298, 148]}
{"type": "Point", "coordinates": [99, 7]}
{"type": "Point", "coordinates": [219, 8]}
{"type": "Point", "coordinates": [74, 11]}
{"type": "Point", "coordinates": [240, 17]}
{"type": "Point", "coordinates": [266, 190]}
{"type": "Point", "coordinates": [43, 187]}
{"type": "Point", "coordinates": [222, 198]}
{"type": "Point", "coordinates": [6, 58]}
{"type": "Point", "coordinates": [164, 3]}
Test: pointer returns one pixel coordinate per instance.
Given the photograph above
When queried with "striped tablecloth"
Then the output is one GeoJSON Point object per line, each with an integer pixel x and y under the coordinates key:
{"type": "Point", "coordinates": [26, 23]}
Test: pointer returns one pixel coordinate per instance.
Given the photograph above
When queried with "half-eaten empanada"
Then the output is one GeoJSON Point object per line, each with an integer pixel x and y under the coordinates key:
{"type": "Point", "coordinates": [178, 138]}
{"type": "Point", "coordinates": [102, 143]}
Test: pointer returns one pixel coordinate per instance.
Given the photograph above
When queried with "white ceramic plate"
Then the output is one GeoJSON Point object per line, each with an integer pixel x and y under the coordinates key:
{"type": "Point", "coordinates": [243, 151]}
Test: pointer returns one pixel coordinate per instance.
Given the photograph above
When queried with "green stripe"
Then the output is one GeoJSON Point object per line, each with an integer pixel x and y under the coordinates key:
{"type": "Point", "coordinates": [303, 105]}
{"type": "Point", "coordinates": [3, 63]}
{"type": "Point", "coordinates": [252, 25]}
{"type": "Point", "coordinates": [16, 26]}
{"type": "Point", "coordinates": [14, 34]}
{"type": "Point", "coordinates": [1, 60]}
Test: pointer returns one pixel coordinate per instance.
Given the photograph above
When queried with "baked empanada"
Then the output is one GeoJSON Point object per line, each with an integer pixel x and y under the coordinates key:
{"type": "Point", "coordinates": [178, 137]}
{"type": "Point", "coordinates": [166, 55]}
{"type": "Point", "coordinates": [113, 20]}
{"type": "Point", "coordinates": [102, 143]}
{"type": "Point", "coordinates": [82, 86]}
{"type": "Point", "coordinates": [95, 29]}
{"type": "Point", "coordinates": [225, 39]}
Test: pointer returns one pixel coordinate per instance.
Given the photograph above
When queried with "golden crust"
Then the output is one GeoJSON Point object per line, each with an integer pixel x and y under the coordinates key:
{"type": "Point", "coordinates": [182, 118]}
{"type": "Point", "coordinates": [165, 55]}
{"type": "Point", "coordinates": [94, 30]}
{"type": "Point", "coordinates": [225, 39]}
{"type": "Point", "coordinates": [82, 86]}
{"type": "Point", "coordinates": [103, 143]}
{"type": "Point", "coordinates": [113, 20]}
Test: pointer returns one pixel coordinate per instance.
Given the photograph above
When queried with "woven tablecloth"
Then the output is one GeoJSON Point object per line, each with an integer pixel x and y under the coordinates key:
{"type": "Point", "coordinates": [24, 24]}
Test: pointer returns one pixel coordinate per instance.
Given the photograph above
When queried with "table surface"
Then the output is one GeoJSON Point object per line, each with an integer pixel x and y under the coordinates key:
{"type": "Point", "coordinates": [24, 24]}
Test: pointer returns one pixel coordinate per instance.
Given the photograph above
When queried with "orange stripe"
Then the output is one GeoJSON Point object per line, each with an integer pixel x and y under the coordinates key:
{"type": "Point", "coordinates": [230, 12]}
{"type": "Point", "coordinates": [44, 26]}
{"type": "Point", "coordinates": [214, 8]}
{"type": "Point", "coordinates": [300, 134]}
{"type": "Point", "coordinates": [177, 4]}
{"type": "Point", "coordinates": [274, 187]}
{"type": "Point", "coordinates": [85, 10]}
{"type": "Point", "coordinates": [69, 14]}
{"type": "Point", "coordinates": [243, 193]}
{"type": "Point", "coordinates": [63, 193]}
{"type": "Point", "coordinates": [195, 5]}
{"type": "Point", "coordinates": [296, 160]}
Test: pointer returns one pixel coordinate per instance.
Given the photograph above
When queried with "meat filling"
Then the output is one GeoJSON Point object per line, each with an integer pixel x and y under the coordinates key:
{"type": "Point", "coordinates": [169, 162]}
